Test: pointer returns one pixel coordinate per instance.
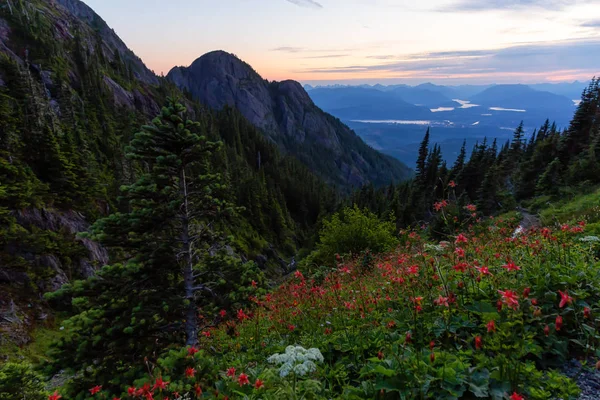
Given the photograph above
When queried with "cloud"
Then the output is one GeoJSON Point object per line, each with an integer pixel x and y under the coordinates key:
{"type": "Point", "coordinates": [488, 5]}
{"type": "Point", "coordinates": [329, 56]}
{"type": "Point", "coordinates": [306, 3]}
{"type": "Point", "coordinates": [289, 49]}
{"type": "Point", "coordinates": [591, 24]}
{"type": "Point", "coordinates": [575, 56]}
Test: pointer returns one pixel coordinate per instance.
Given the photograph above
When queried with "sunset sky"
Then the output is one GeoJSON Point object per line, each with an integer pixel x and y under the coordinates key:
{"type": "Point", "coordinates": [370, 41]}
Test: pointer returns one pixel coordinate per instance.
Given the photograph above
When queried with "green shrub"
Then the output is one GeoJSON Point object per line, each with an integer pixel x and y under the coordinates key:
{"type": "Point", "coordinates": [352, 231]}
{"type": "Point", "coordinates": [19, 381]}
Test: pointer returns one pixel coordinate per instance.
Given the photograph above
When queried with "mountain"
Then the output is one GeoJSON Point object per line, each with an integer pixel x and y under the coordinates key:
{"type": "Point", "coordinates": [72, 97]}
{"type": "Point", "coordinates": [572, 90]}
{"type": "Point", "coordinates": [446, 91]}
{"type": "Point", "coordinates": [423, 97]}
{"type": "Point", "coordinates": [521, 97]}
{"type": "Point", "coordinates": [355, 103]}
{"type": "Point", "coordinates": [288, 116]}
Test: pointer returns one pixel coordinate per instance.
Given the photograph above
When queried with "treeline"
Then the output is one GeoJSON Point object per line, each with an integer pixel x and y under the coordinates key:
{"type": "Point", "coordinates": [68, 109]}
{"type": "Point", "coordinates": [496, 177]}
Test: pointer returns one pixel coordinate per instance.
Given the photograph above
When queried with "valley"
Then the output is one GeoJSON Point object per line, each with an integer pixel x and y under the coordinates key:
{"type": "Point", "coordinates": [386, 121]}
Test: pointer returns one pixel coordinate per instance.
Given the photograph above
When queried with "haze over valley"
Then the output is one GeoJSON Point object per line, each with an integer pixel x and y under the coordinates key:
{"type": "Point", "coordinates": [394, 118]}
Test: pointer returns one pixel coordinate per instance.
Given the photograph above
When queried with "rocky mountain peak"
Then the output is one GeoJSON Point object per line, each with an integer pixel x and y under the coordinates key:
{"type": "Point", "coordinates": [287, 115]}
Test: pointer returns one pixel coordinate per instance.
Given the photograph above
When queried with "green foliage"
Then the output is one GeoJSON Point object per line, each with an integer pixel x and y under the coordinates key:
{"type": "Point", "coordinates": [352, 231]}
{"type": "Point", "coordinates": [431, 320]}
{"type": "Point", "coordinates": [19, 381]}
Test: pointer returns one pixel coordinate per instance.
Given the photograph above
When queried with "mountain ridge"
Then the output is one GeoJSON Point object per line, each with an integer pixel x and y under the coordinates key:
{"type": "Point", "coordinates": [289, 117]}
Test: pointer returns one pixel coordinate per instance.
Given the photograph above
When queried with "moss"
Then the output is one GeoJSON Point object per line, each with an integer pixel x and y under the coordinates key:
{"type": "Point", "coordinates": [36, 352]}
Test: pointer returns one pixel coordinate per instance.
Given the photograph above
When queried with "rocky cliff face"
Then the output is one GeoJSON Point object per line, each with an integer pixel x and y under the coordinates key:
{"type": "Point", "coordinates": [286, 114]}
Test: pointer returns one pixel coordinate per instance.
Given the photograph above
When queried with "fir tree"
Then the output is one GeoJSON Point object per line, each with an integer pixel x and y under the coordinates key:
{"type": "Point", "coordinates": [165, 239]}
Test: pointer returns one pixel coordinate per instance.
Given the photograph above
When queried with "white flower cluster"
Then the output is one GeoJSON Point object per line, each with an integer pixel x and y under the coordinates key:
{"type": "Point", "coordinates": [590, 239]}
{"type": "Point", "coordinates": [296, 359]}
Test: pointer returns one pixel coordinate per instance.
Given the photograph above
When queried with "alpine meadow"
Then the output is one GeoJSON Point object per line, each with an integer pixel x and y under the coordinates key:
{"type": "Point", "coordinates": [414, 215]}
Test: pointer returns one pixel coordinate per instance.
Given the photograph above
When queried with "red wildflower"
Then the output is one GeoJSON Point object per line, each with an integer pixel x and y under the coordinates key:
{"type": "Point", "coordinates": [192, 351]}
{"type": "Point", "coordinates": [231, 372]}
{"type": "Point", "coordinates": [460, 267]}
{"type": "Point", "coordinates": [499, 305]}
{"type": "Point", "coordinates": [559, 322]}
{"type": "Point", "coordinates": [452, 184]}
{"type": "Point", "coordinates": [431, 345]}
{"type": "Point", "coordinates": [380, 355]}
{"type": "Point", "coordinates": [491, 326]}
{"type": "Point", "coordinates": [54, 396]}
{"type": "Point", "coordinates": [206, 334]}
{"type": "Point", "coordinates": [564, 298]}
{"type": "Point", "coordinates": [459, 252]}
{"type": "Point", "coordinates": [160, 384]}
{"type": "Point", "coordinates": [441, 301]}
{"type": "Point", "coordinates": [413, 269]}
{"type": "Point", "coordinates": [291, 327]}
{"type": "Point", "coordinates": [118, 398]}
{"type": "Point", "coordinates": [243, 379]}
{"type": "Point", "coordinates": [222, 313]}
{"type": "Point", "coordinates": [131, 391]}
{"type": "Point", "coordinates": [510, 298]}
{"type": "Point", "coordinates": [516, 396]}
{"type": "Point", "coordinates": [511, 266]}
{"type": "Point", "coordinates": [546, 330]}
{"type": "Point", "coordinates": [95, 390]}
{"type": "Point", "coordinates": [408, 337]}
{"type": "Point", "coordinates": [587, 313]}
{"type": "Point", "coordinates": [298, 275]}
{"type": "Point", "coordinates": [190, 372]}
{"type": "Point", "coordinates": [198, 390]}
{"type": "Point", "coordinates": [471, 207]}
{"type": "Point", "coordinates": [258, 384]}
{"type": "Point", "coordinates": [328, 331]}
{"type": "Point", "coordinates": [526, 292]}
{"type": "Point", "coordinates": [391, 324]}
{"type": "Point", "coordinates": [242, 315]}
{"type": "Point", "coordinates": [461, 239]}
{"type": "Point", "coordinates": [432, 357]}
{"type": "Point", "coordinates": [478, 342]}
{"type": "Point", "coordinates": [484, 270]}
{"type": "Point", "coordinates": [253, 283]}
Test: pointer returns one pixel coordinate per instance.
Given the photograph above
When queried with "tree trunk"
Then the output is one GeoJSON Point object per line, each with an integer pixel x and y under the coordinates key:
{"type": "Point", "coordinates": [191, 320]}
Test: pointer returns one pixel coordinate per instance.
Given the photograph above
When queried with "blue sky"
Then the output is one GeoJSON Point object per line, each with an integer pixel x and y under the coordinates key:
{"type": "Point", "coordinates": [370, 41]}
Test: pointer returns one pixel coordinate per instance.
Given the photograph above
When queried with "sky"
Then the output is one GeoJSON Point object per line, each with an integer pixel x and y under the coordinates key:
{"type": "Point", "coordinates": [370, 41]}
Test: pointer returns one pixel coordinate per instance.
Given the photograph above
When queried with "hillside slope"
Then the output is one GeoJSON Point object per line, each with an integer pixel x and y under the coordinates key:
{"type": "Point", "coordinates": [287, 115]}
{"type": "Point", "coordinates": [72, 96]}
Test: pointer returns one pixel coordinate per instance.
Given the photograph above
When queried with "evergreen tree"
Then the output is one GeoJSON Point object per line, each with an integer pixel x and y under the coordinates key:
{"type": "Point", "coordinates": [165, 240]}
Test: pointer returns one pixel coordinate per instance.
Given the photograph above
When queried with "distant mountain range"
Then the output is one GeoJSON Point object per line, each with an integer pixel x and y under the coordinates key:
{"type": "Point", "coordinates": [572, 90]}
{"type": "Point", "coordinates": [443, 104]}
{"type": "Point", "coordinates": [521, 97]}
{"type": "Point", "coordinates": [288, 116]}
{"type": "Point", "coordinates": [393, 118]}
